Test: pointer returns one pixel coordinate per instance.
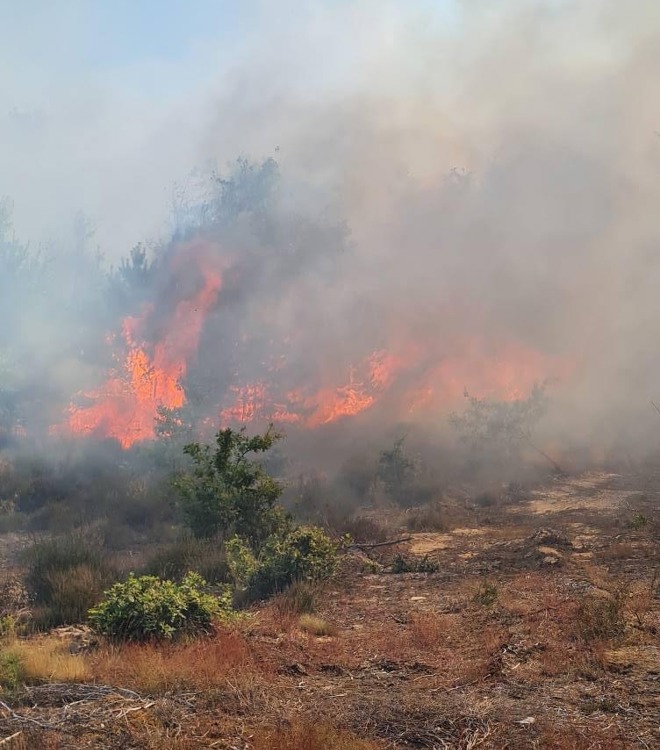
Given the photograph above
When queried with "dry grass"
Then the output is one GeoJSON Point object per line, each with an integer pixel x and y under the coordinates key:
{"type": "Point", "coordinates": [600, 617]}
{"type": "Point", "coordinates": [428, 518]}
{"type": "Point", "coordinates": [317, 626]}
{"type": "Point", "coordinates": [155, 669]}
{"type": "Point", "coordinates": [428, 630]}
{"type": "Point", "coordinates": [48, 659]}
{"type": "Point", "coordinates": [562, 737]}
{"type": "Point", "coordinates": [618, 551]}
{"type": "Point", "coordinates": [301, 598]}
{"type": "Point", "coordinates": [305, 736]}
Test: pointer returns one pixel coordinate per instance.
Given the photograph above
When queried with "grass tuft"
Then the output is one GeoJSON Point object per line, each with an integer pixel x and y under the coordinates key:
{"type": "Point", "coordinates": [317, 626]}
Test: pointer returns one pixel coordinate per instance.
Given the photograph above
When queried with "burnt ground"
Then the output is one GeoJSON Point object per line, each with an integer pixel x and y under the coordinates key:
{"type": "Point", "coordinates": [540, 628]}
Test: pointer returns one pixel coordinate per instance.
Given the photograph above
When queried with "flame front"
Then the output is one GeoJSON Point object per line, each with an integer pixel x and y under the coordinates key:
{"type": "Point", "coordinates": [126, 405]}
{"type": "Point", "coordinates": [406, 379]}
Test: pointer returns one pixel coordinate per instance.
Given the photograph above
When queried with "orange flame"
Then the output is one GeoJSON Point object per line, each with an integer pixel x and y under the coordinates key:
{"type": "Point", "coordinates": [126, 405]}
{"type": "Point", "coordinates": [424, 379]}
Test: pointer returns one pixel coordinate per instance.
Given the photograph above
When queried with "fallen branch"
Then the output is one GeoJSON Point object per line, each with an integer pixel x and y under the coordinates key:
{"type": "Point", "coordinates": [550, 460]}
{"type": "Point", "coordinates": [373, 545]}
{"type": "Point", "coordinates": [11, 737]}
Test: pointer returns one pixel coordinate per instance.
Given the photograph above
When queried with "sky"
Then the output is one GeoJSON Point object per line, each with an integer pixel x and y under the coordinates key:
{"type": "Point", "coordinates": [106, 106]}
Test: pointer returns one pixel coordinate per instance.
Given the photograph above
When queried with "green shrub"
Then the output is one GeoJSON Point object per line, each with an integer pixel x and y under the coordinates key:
{"type": "Point", "coordinates": [148, 607]}
{"type": "Point", "coordinates": [486, 594]}
{"type": "Point", "coordinates": [66, 577]}
{"type": "Point", "coordinates": [638, 521]}
{"type": "Point", "coordinates": [12, 672]}
{"type": "Point", "coordinates": [304, 554]}
{"type": "Point", "coordinates": [227, 492]}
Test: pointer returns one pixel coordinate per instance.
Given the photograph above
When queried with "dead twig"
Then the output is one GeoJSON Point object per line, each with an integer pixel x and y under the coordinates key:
{"type": "Point", "coordinates": [373, 545]}
{"type": "Point", "coordinates": [11, 737]}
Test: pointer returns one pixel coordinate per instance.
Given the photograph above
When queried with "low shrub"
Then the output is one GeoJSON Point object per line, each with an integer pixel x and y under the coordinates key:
{"type": "Point", "coordinates": [486, 594]}
{"type": "Point", "coordinates": [600, 618]}
{"type": "Point", "coordinates": [304, 554]}
{"type": "Point", "coordinates": [12, 673]}
{"type": "Point", "coordinates": [14, 597]}
{"type": "Point", "coordinates": [638, 521]}
{"type": "Point", "coordinates": [205, 556]}
{"type": "Point", "coordinates": [148, 607]}
{"type": "Point", "coordinates": [487, 499]}
{"type": "Point", "coordinates": [66, 576]}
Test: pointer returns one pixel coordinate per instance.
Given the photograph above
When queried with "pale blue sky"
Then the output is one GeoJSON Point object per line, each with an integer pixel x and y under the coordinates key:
{"type": "Point", "coordinates": [101, 100]}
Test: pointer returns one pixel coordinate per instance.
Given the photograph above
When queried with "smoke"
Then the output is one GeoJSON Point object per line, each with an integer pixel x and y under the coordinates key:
{"type": "Point", "coordinates": [473, 192]}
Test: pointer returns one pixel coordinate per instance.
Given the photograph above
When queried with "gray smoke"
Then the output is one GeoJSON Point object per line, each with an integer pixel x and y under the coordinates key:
{"type": "Point", "coordinates": [498, 170]}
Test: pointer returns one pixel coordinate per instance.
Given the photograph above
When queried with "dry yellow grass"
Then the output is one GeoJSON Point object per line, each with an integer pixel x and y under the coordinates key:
{"type": "Point", "coordinates": [316, 626]}
{"type": "Point", "coordinates": [48, 659]}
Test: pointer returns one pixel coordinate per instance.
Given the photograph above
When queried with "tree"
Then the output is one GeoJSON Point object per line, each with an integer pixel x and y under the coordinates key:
{"type": "Point", "coordinates": [503, 424]}
{"type": "Point", "coordinates": [228, 492]}
{"type": "Point", "coordinates": [398, 472]}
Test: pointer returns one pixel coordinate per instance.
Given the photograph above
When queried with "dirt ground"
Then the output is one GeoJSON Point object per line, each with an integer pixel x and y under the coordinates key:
{"type": "Point", "coordinates": [539, 628]}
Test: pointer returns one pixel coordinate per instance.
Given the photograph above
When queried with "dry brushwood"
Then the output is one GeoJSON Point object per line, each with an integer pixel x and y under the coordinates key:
{"type": "Point", "coordinates": [414, 726]}
{"type": "Point", "coordinates": [71, 707]}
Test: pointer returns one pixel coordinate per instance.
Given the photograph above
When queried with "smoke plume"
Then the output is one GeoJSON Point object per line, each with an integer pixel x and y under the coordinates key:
{"type": "Point", "coordinates": [429, 202]}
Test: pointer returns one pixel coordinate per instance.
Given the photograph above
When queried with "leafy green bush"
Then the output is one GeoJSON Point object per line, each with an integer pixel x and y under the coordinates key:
{"type": "Point", "coordinates": [66, 576]}
{"type": "Point", "coordinates": [229, 493]}
{"type": "Point", "coordinates": [303, 554]}
{"type": "Point", "coordinates": [148, 607]}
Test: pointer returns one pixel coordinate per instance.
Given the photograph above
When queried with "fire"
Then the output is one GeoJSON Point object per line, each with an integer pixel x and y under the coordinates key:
{"type": "Point", "coordinates": [508, 374]}
{"type": "Point", "coordinates": [405, 379]}
{"type": "Point", "coordinates": [149, 377]}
